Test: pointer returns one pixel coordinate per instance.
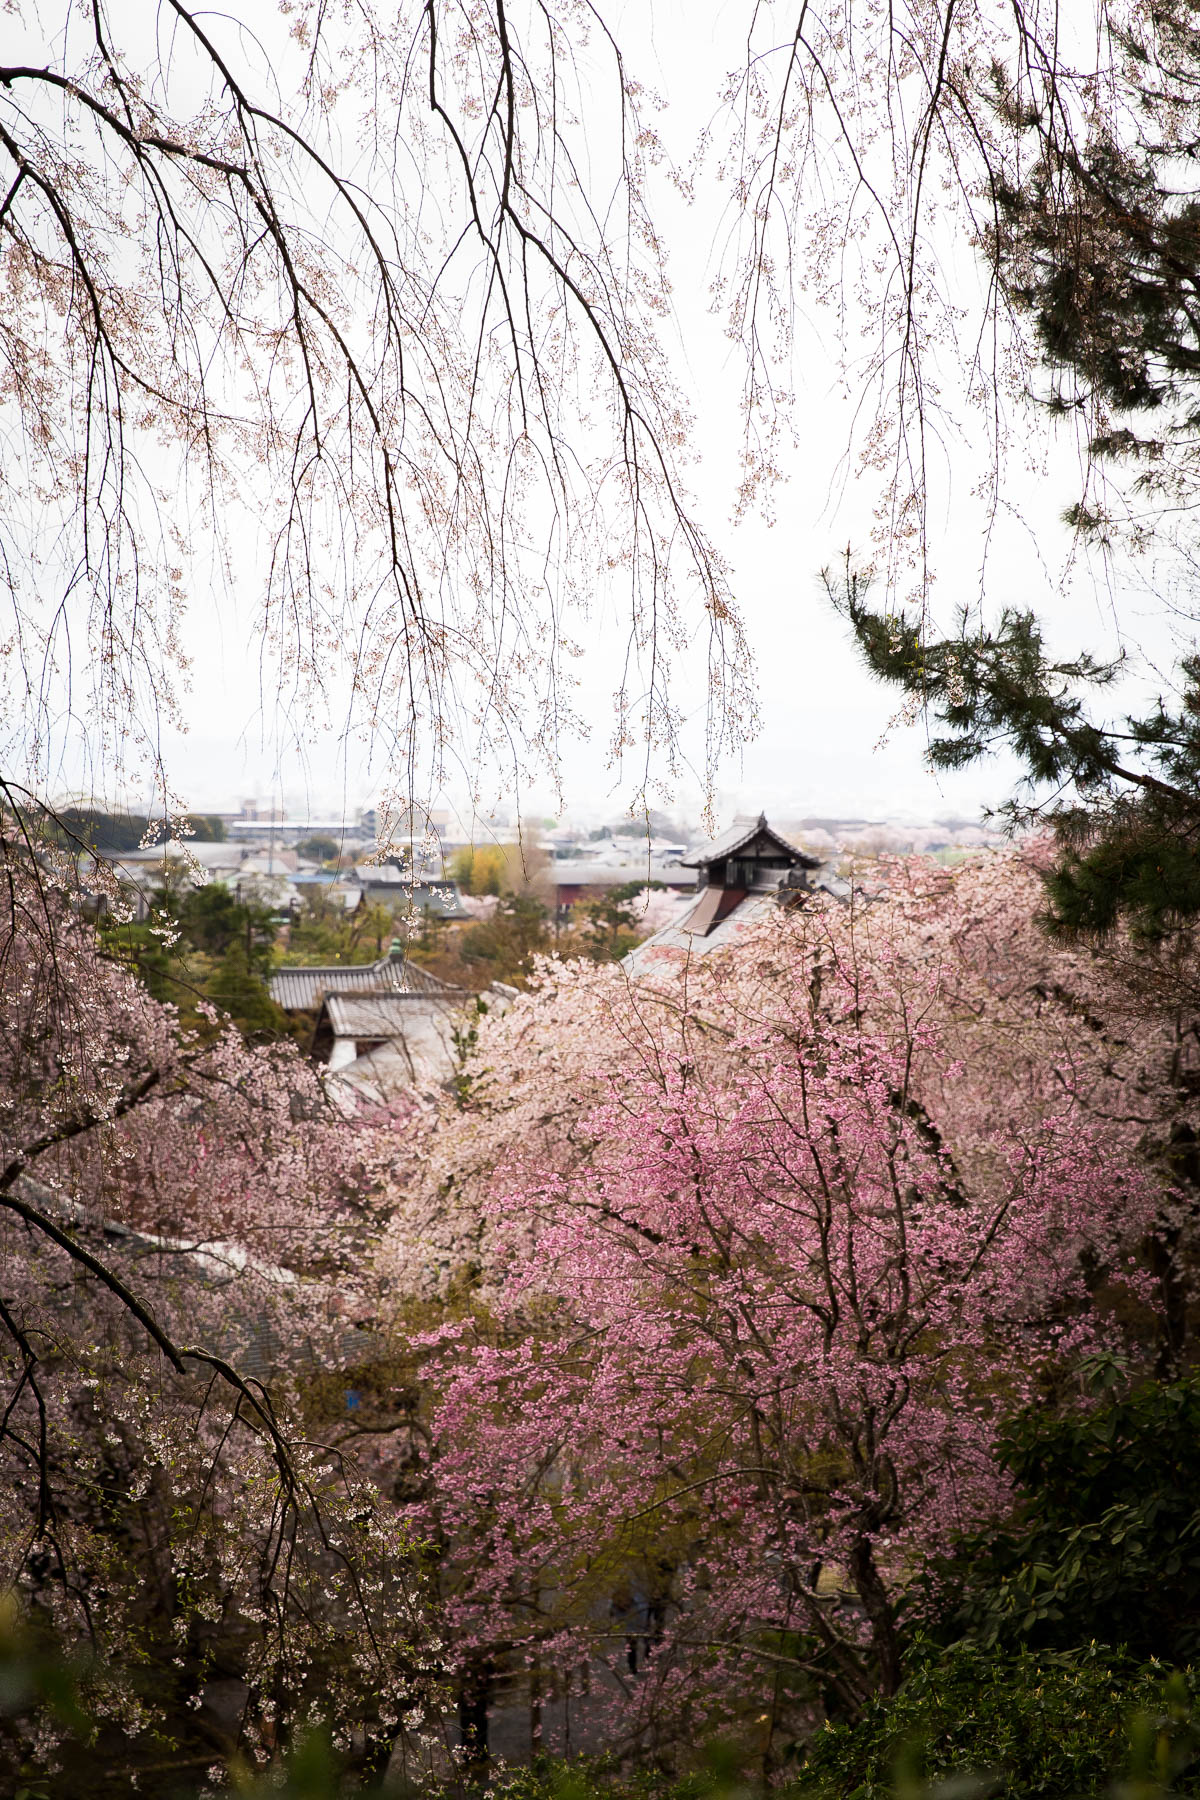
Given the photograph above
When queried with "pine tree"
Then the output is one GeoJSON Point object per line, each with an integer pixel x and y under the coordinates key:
{"type": "Point", "coordinates": [1096, 239]}
{"type": "Point", "coordinates": [1128, 826]}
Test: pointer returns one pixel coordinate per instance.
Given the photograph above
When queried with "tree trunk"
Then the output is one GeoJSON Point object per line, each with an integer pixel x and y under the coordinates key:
{"type": "Point", "coordinates": [868, 1585]}
{"type": "Point", "coordinates": [473, 1695]}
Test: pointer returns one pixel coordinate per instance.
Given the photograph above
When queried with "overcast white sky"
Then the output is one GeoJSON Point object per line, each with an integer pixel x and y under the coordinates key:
{"type": "Point", "coordinates": [819, 750]}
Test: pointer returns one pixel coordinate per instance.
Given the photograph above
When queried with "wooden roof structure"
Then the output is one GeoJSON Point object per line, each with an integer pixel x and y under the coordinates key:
{"type": "Point", "coordinates": [743, 875]}
{"type": "Point", "coordinates": [409, 1036]}
{"type": "Point", "coordinates": [756, 842]}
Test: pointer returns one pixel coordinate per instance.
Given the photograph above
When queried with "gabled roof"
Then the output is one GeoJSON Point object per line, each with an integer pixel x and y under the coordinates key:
{"type": "Point", "coordinates": [396, 888]}
{"type": "Point", "coordinates": [374, 1015]}
{"type": "Point", "coordinates": [420, 981]}
{"type": "Point", "coordinates": [709, 925]}
{"type": "Point", "coordinates": [737, 838]}
{"type": "Point", "coordinates": [296, 990]}
{"type": "Point", "coordinates": [692, 935]}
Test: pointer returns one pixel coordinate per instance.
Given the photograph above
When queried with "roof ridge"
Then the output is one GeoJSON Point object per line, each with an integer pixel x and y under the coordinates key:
{"type": "Point", "coordinates": [730, 841]}
{"type": "Point", "coordinates": [380, 962]}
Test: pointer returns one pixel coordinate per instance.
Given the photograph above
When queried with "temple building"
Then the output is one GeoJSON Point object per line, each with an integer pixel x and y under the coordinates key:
{"type": "Point", "coordinates": [380, 1027]}
{"type": "Point", "coordinates": [748, 870]}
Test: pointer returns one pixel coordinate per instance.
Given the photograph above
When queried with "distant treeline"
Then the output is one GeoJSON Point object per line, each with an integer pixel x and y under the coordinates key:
{"type": "Point", "coordinates": [104, 831]}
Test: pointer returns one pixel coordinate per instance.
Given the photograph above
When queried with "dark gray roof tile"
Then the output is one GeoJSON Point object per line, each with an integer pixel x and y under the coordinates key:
{"type": "Point", "coordinates": [741, 834]}
{"type": "Point", "coordinates": [299, 990]}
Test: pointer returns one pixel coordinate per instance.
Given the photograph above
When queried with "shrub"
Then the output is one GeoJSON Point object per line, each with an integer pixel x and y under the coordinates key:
{"type": "Point", "coordinates": [1050, 1724]}
{"type": "Point", "coordinates": [1106, 1543]}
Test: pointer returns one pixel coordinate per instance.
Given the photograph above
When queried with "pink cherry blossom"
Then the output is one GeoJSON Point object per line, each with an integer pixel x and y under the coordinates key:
{"type": "Point", "coordinates": [766, 1245]}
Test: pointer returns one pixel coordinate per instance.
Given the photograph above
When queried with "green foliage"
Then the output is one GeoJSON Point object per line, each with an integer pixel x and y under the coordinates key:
{"type": "Point", "coordinates": [966, 1724]}
{"type": "Point", "coordinates": [143, 949]}
{"type": "Point", "coordinates": [1106, 1543]}
{"type": "Point", "coordinates": [41, 1686]}
{"type": "Point", "coordinates": [611, 929]}
{"type": "Point", "coordinates": [428, 942]}
{"type": "Point", "coordinates": [981, 685]}
{"type": "Point", "coordinates": [1098, 243]}
{"type": "Point", "coordinates": [203, 945]}
{"type": "Point", "coordinates": [211, 919]}
{"type": "Point", "coordinates": [239, 991]}
{"type": "Point", "coordinates": [311, 1772]}
{"type": "Point", "coordinates": [94, 829]}
{"type": "Point", "coordinates": [326, 933]}
{"type": "Point", "coordinates": [508, 868]}
{"type": "Point", "coordinates": [319, 848]}
{"type": "Point", "coordinates": [35, 1678]}
{"type": "Point", "coordinates": [1049, 1725]}
{"type": "Point", "coordinates": [1127, 832]}
{"type": "Point", "coordinates": [721, 1777]}
{"type": "Point", "coordinates": [481, 870]}
{"type": "Point", "coordinates": [1142, 864]}
{"type": "Point", "coordinates": [508, 942]}
{"type": "Point", "coordinates": [98, 830]}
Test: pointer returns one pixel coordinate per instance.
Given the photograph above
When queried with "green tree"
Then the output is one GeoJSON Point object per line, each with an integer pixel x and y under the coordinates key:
{"type": "Point", "coordinates": [977, 1724]}
{"type": "Point", "coordinates": [94, 829]}
{"type": "Point", "coordinates": [190, 937]}
{"type": "Point", "coordinates": [1092, 237]}
{"type": "Point", "coordinates": [319, 848]}
{"type": "Point", "coordinates": [611, 927]}
{"type": "Point", "coordinates": [1128, 822]}
{"type": "Point", "coordinates": [206, 828]}
{"type": "Point", "coordinates": [239, 991]}
{"type": "Point", "coordinates": [144, 949]}
{"type": "Point", "coordinates": [479, 870]}
{"type": "Point", "coordinates": [326, 933]}
{"type": "Point", "coordinates": [507, 943]}
{"type": "Point", "coordinates": [211, 918]}
{"type": "Point", "coordinates": [1105, 1544]}
{"type": "Point", "coordinates": [513, 867]}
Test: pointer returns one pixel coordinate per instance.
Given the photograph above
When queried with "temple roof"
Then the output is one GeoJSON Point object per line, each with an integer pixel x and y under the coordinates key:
{"type": "Point", "coordinates": [377, 1015]}
{"type": "Point", "coordinates": [297, 989]}
{"type": "Point", "coordinates": [739, 836]}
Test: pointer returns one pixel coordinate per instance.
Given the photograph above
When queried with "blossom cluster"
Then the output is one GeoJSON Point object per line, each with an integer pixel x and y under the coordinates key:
{"type": "Point", "coordinates": [764, 1247]}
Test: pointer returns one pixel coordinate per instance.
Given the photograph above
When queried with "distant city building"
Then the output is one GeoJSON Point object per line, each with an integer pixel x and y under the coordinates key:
{"type": "Point", "coordinates": [280, 829]}
{"type": "Point", "coordinates": [391, 884]}
{"type": "Point", "coordinates": [577, 878]}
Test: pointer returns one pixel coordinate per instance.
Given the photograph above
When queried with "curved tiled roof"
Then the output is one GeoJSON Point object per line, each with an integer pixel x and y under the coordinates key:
{"type": "Point", "coordinates": [375, 1015]}
{"type": "Point", "coordinates": [299, 990]}
{"type": "Point", "coordinates": [738, 836]}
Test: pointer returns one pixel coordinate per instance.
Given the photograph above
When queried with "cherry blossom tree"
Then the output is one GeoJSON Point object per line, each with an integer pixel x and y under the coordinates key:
{"type": "Point", "coordinates": [355, 301]}
{"type": "Point", "coordinates": [766, 1244]}
{"type": "Point", "coordinates": [183, 1231]}
{"type": "Point", "coordinates": [973, 195]}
